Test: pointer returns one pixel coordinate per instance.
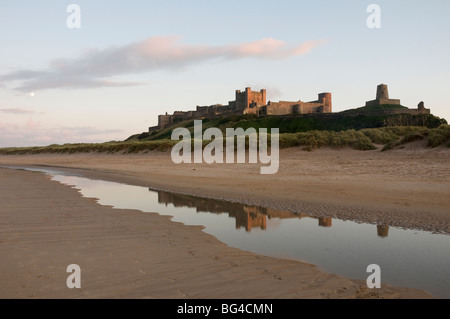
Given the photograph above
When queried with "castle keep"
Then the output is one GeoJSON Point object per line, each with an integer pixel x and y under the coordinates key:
{"type": "Point", "coordinates": [248, 102]}
{"type": "Point", "coordinates": [248, 98]}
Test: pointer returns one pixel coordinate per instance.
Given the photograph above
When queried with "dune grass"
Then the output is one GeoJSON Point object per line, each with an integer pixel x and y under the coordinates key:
{"type": "Point", "coordinates": [316, 139]}
{"type": "Point", "coordinates": [439, 136]}
{"type": "Point", "coordinates": [108, 147]}
{"type": "Point", "coordinates": [365, 139]}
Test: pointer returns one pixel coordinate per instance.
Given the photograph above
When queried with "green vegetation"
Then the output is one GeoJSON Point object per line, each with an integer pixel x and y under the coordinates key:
{"type": "Point", "coordinates": [316, 139]}
{"type": "Point", "coordinates": [439, 136]}
{"type": "Point", "coordinates": [109, 147]}
{"type": "Point", "coordinates": [365, 139]}
{"type": "Point", "coordinates": [349, 128]}
{"type": "Point", "coordinates": [294, 124]}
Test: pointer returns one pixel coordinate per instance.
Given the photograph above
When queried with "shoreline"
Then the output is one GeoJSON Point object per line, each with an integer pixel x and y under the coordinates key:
{"type": "Point", "coordinates": [129, 254]}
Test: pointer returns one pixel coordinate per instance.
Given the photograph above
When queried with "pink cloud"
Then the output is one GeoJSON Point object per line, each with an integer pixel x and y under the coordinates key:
{"type": "Point", "coordinates": [307, 47]}
{"type": "Point", "coordinates": [96, 67]}
{"type": "Point", "coordinates": [270, 48]}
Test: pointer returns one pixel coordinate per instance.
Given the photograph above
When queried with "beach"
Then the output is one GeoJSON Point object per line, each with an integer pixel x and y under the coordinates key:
{"type": "Point", "coordinates": [128, 254]}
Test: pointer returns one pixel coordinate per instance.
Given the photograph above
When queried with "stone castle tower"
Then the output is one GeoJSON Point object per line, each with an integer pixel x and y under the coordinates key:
{"type": "Point", "coordinates": [382, 97]}
{"type": "Point", "coordinates": [249, 98]}
{"type": "Point", "coordinates": [325, 99]}
{"type": "Point", "coordinates": [382, 92]}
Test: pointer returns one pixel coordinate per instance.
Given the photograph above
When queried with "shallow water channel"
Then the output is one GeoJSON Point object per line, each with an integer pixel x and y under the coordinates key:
{"type": "Point", "coordinates": [407, 258]}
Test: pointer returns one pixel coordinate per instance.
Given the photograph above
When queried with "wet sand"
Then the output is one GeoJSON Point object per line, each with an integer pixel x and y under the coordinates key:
{"type": "Point", "coordinates": [129, 254]}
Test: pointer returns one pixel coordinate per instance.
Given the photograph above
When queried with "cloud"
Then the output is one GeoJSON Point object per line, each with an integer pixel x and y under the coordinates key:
{"type": "Point", "coordinates": [17, 111]}
{"type": "Point", "coordinates": [97, 67]}
{"type": "Point", "coordinates": [271, 49]}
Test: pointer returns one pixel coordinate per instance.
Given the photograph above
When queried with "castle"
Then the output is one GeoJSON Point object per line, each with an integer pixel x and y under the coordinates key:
{"type": "Point", "coordinates": [247, 102]}
{"type": "Point", "coordinates": [254, 102]}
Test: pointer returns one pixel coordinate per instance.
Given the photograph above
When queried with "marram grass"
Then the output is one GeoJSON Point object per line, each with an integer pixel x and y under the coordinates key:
{"type": "Point", "coordinates": [364, 139]}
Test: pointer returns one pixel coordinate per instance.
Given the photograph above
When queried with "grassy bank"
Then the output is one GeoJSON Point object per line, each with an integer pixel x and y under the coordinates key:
{"type": "Point", "coordinates": [108, 147]}
{"type": "Point", "coordinates": [343, 121]}
{"type": "Point", "coordinates": [364, 139]}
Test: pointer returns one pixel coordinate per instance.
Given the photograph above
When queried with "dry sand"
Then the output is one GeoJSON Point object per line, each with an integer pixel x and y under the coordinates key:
{"type": "Point", "coordinates": [47, 226]}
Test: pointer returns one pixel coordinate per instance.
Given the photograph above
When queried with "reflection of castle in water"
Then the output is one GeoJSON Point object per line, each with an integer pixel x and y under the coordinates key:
{"type": "Point", "coordinates": [246, 216]}
{"type": "Point", "coordinates": [325, 221]}
{"type": "Point", "coordinates": [382, 230]}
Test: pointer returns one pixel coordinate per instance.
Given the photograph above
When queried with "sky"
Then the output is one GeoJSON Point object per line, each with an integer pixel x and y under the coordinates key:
{"type": "Point", "coordinates": [131, 60]}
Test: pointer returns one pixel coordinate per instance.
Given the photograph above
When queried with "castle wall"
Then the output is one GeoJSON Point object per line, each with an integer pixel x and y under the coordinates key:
{"type": "Point", "coordinates": [202, 110]}
{"type": "Point", "coordinates": [383, 101]}
{"type": "Point", "coordinates": [165, 121]}
{"type": "Point", "coordinates": [323, 105]}
{"type": "Point", "coordinates": [396, 111]}
{"type": "Point", "coordinates": [280, 108]}
{"type": "Point", "coordinates": [232, 105]}
{"type": "Point", "coordinates": [254, 110]}
{"type": "Point", "coordinates": [241, 100]}
{"type": "Point", "coordinates": [179, 116]}
{"type": "Point", "coordinates": [307, 108]}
